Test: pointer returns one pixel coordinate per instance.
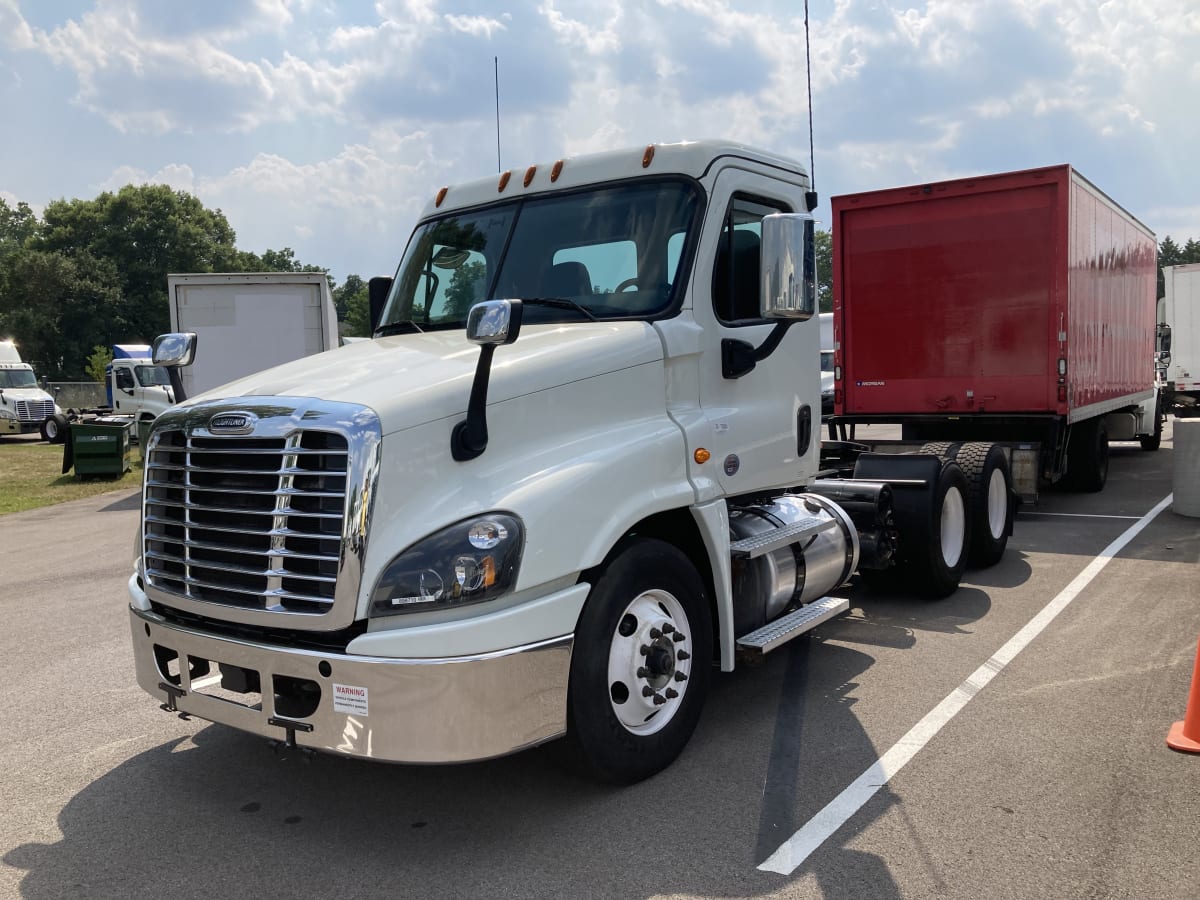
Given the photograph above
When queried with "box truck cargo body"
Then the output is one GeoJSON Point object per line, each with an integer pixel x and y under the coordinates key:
{"type": "Point", "coordinates": [1015, 307]}
{"type": "Point", "coordinates": [1181, 311]}
{"type": "Point", "coordinates": [249, 322]}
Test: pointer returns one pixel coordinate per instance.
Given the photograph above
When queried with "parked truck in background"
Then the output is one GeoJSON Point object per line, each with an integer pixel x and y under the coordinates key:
{"type": "Point", "coordinates": [24, 407]}
{"type": "Point", "coordinates": [133, 385]}
{"type": "Point", "coordinates": [1016, 308]}
{"type": "Point", "coordinates": [1181, 315]}
{"type": "Point", "coordinates": [249, 322]}
{"type": "Point", "coordinates": [416, 550]}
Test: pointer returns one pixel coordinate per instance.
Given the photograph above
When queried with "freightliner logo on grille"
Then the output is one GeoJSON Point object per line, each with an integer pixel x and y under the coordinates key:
{"type": "Point", "coordinates": [232, 423]}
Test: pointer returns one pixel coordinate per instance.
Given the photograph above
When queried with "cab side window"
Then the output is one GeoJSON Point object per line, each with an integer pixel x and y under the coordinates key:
{"type": "Point", "coordinates": [737, 271]}
{"type": "Point", "coordinates": [124, 379]}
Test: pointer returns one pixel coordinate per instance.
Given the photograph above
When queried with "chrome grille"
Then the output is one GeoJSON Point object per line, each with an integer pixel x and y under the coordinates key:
{"type": "Point", "coordinates": [247, 521]}
{"type": "Point", "coordinates": [34, 410]}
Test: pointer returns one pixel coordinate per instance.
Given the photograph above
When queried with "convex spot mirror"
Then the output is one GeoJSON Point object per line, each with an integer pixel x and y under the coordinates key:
{"type": "Point", "coordinates": [176, 349]}
{"type": "Point", "coordinates": [789, 271]}
{"type": "Point", "coordinates": [494, 322]}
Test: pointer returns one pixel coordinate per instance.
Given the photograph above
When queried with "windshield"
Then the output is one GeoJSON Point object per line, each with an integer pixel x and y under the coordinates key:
{"type": "Point", "coordinates": [610, 252]}
{"type": "Point", "coordinates": [17, 378]}
{"type": "Point", "coordinates": [148, 376]}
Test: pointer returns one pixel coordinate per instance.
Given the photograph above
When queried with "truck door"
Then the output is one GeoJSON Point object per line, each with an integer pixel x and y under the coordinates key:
{"type": "Point", "coordinates": [764, 427]}
{"type": "Point", "coordinates": [123, 380]}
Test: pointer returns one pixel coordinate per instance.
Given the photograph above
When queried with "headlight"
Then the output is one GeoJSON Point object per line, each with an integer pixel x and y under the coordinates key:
{"type": "Point", "coordinates": [470, 562]}
{"type": "Point", "coordinates": [7, 413]}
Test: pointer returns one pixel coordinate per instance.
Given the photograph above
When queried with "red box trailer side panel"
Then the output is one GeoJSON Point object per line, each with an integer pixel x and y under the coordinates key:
{"type": "Point", "coordinates": [1113, 287]}
{"type": "Point", "coordinates": [961, 297]}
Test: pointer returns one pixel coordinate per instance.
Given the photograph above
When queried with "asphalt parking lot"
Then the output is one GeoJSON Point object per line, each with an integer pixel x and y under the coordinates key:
{"type": "Point", "coordinates": [1045, 773]}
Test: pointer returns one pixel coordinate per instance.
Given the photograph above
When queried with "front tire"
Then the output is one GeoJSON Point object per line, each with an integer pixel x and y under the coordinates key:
{"type": "Point", "coordinates": [641, 663]}
{"type": "Point", "coordinates": [1087, 456]}
{"type": "Point", "coordinates": [1154, 441]}
{"type": "Point", "coordinates": [54, 428]}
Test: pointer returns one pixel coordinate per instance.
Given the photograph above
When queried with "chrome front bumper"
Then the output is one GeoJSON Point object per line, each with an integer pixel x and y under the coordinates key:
{"type": "Point", "coordinates": [397, 710]}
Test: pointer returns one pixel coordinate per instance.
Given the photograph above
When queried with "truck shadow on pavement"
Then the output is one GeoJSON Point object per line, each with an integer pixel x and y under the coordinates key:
{"type": "Point", "coordinates": [215, 813]}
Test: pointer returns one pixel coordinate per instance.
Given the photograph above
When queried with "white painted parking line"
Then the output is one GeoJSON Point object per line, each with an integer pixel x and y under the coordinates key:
{"type": "Point", "coordinates": [820, 827]}
{"type": "Point", "coordinates": [1077, 515]}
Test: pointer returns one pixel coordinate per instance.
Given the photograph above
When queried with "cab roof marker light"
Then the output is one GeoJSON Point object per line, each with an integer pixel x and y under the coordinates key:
{"type": "Point", "coordinates": [441, 195]}
{"type": "Point", "coordinates": [529, 173]}
{"type": "Point", "coordinates": [503, 182]}
{"type": "Point", "coordinates": [648, 156]}
{"type": "Point", "coordinates": [556, 171]}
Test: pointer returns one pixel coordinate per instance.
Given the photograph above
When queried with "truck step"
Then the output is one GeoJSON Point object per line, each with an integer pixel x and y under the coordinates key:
{"type": "Point", "coordinates": [794, 624]}
{"type": "Point", "coordinates": [757, 545]}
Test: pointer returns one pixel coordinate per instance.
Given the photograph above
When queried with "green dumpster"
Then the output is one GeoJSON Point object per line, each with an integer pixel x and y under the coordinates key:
{"type": "Point", "coordinates": [143, 435]}
{"type": "Point", "coordinates": [100, 449]}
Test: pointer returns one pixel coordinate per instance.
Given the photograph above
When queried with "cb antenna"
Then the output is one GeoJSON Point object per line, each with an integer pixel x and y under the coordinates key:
{"type": "Point", "coordinates": [496, 76]}
{"type": "Point", "coordinates": [812, 158]}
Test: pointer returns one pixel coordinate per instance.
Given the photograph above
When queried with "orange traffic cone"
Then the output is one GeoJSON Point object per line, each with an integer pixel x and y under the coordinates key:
{"type": "Point", "coordinates": [1185, 735]}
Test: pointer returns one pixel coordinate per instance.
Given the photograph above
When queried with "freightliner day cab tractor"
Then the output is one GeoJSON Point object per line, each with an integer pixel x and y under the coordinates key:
{"type": "Point", "coordinates": [418, 550]}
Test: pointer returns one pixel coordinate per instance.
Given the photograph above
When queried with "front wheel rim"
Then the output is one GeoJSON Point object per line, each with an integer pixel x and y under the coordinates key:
{"type": "Point", "coordinates": [649, 662]}
{"type": "Point", "coordinates": [954, 527]}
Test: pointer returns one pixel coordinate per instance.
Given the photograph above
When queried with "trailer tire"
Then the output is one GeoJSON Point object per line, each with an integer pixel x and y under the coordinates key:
{"type": "Point", "coordinates": [935, 564]}
{"type": "Point", "coordinates": [1154, 441]}
{"type": "Point", "coordinates": [626, 643]}
{"type": "Point", "coordinates": [54, 428]}
{"type": "Point", "coordinates": [1087, 456]}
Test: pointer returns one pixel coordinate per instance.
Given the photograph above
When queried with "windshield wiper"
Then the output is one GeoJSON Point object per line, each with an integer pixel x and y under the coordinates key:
{"type": "Point", "coordinates": [561, 303]}
{"type": "Point", "coordinates": [404, 327]}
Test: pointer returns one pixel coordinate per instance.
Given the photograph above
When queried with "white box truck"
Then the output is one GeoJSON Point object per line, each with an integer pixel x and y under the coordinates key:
{"type": "Point", "coordinates": [1181, 312]}
{"type": "Point", "coordinates": [249, 322]}
{"type": "Point", "coordinates": [419, 550]}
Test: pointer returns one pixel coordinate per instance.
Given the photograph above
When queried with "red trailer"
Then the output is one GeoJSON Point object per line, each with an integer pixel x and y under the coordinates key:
{"type": "Point", "coordinates": [1016, 308]}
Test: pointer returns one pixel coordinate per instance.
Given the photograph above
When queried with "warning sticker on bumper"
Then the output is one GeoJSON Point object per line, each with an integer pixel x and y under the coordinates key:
{"type": "Point", "coordinates": [348, 698]}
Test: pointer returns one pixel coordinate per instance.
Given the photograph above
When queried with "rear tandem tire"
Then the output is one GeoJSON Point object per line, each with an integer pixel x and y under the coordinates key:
{"type": "Point", "coordinates": [934, 565]}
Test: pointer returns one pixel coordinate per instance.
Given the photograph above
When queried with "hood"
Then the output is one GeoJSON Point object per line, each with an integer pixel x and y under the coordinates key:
{"type": "Point", "coordinates": [412, 379]}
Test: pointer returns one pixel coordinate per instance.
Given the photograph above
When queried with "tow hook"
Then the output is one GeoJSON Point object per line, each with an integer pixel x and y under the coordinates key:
{"type": "Point", "coordinates": [290, 727]}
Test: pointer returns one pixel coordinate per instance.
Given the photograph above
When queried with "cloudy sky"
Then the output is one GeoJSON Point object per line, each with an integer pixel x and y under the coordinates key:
{"type": "Point", "coordinates": [325, 126]}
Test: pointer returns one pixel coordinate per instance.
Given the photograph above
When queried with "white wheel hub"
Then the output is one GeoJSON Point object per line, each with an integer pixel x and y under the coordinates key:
{"type": "Point", "coordinates": [997, 504]}
{"type": "Point", "coordinates": [954, 526]}
{"type": "Point", "coordinates": [649, 661]}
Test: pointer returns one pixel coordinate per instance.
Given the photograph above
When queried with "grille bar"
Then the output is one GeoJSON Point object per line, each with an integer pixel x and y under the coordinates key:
{"type": "Point", "coordinates": [240, 570]}
{"type": "Point", "coordinates": [233, 549]}
{"type": "Point", "coordinates": [246, 510]}
{"type": "Point", "coordinates": [282, 492]}
{"type": "Point", "coordinates": [284, 470]}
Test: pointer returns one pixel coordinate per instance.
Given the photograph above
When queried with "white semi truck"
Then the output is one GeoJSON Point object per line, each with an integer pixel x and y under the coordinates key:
{"type": "Point", "coordinates": [24, 407]}
{"type": "Point", "coordinates": [1180, 311]}
{"type": "Point", "coordinates": [413, 549]}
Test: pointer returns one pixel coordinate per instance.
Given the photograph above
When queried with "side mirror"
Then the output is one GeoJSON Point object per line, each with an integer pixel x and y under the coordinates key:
{"type": "Point", "coordinates": [173, 351]}
{"type": "Point", "coordinates": [177, 349]}
{"type": "Point", "coordinates": [789, 271]}
{"type": "Point", "coordinates": [490, 324]}
{"type": "Point", "coordinates": [494, 322]}
{"type": "Point", "coordinates": [377, 293]}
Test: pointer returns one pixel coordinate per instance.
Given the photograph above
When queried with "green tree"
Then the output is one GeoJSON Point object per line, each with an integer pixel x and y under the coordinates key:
{"type": "Point", "coordinates": [343, 294]}
{"type": "Point", "coordinates": [16, 226]}
{"type": "Point", "coordinates": [144, 232]}
{"type": "Point", "coordinates": [98, 362]}
{"type": "Point", "coordinates": [358, 316]}
{"type": "Point", "coordinates": [1191, 251]}
{"type": "Point", "coordinates": [823, 241]}
{"type": "Point", "coordinates": [58, 307]}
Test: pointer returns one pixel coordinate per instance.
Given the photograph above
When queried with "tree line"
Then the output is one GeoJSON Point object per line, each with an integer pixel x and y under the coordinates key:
{"type": "Point", "coordinates": [88, 274]}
